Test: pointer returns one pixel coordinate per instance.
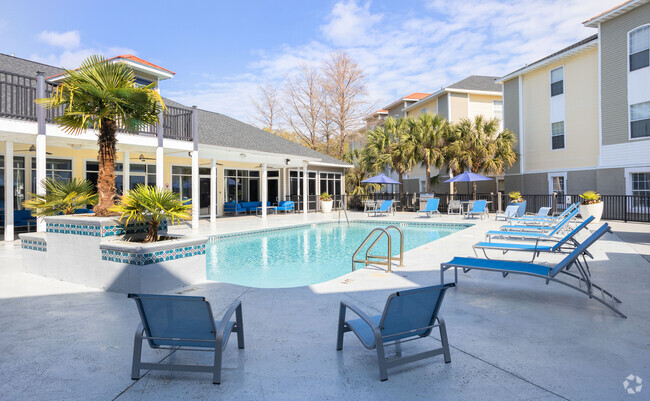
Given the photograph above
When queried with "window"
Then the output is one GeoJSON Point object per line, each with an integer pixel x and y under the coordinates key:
{"type": "Point", "coordinates": [641, 187]}
{"type": "Point", "coordinates": [19, 182]}
{"type": "Point", "coordinates": [330, 183]}
{"type": "Point", "coordinates": [640, 48]}
{"type": "Point", "coordinates": [424, 110]}
{"type": "Point", "coordinates": [182, 181]}
{"type": "Point", "coordinates": [92, 172]}
{"type": "Point", "coordinates": [57, 169]}
{"type": "Point", "coordinates": [557, 81]}
{"type": "Point", "coordinates": [143, 82]}
{"type": "Point", "coordinates": [640, 120]}
{"type": "Point", "coordinates": [497, 109]}
{"type": "Point", "coordinates": [242, 185]}
{"type": "Point", "coordinates": [557, 135]}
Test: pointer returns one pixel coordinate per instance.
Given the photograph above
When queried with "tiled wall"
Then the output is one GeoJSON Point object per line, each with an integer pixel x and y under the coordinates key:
{"type": "Point", "coordinates": [100, 231]}
{"type": "Point", "coordinates": [142, 259]}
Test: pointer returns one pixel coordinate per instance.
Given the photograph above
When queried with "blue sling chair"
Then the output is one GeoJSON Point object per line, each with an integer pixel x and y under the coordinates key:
{"type": "Point", "coordinates": [175, 321]}
{"type": "Point", "coordinates": [408, 315]}
{"type": "Point", "coordinates": [568, 242]}
{"type": "Point", "coordinates": [549, 273]}
{"type": "Point", "coordinates": [546, 220]}
{"type": "Point", "coordinates": [432, 207]}
{"type": "Point", "coordinates": [527, 235]}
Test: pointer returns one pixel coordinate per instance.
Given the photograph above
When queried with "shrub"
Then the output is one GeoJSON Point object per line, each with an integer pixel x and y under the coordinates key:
{"type": "Point", "coordinates": [62, 197]}
{"type": "Point", "coordinates": [590, 197]}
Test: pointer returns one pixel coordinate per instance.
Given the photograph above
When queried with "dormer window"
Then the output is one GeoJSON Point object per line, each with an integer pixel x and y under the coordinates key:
{"type": "Point", "coordinates": [143, 82]}
{"type": "Point", "coordinates": [557, 81]}
{"type": "Point", "coordinates": [640, 48]}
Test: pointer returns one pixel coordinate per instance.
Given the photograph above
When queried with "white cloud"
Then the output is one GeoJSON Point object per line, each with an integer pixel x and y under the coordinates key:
{"type": "Point", "coordinates": [73, 58]}
{"type": "Point", "coordinates": [66, 40]}
{"type": "Point", "coordinates": [408, 52]}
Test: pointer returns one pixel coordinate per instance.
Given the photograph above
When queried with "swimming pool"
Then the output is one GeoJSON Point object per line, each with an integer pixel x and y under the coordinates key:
{"type": "Point", "coordinates": [308, 254]}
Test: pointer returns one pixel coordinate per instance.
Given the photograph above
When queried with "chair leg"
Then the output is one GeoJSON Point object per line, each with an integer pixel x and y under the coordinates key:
{"type": "Point", "coordinates": [137, 353]}
{"type": "Point", "coordinates": [341, 329]}
{"type": "Point", "coordinates": [444, 340]}
{"type": "Point", "coordinates": [240, 327]}
{"type": "Point", "coordinates": [218, 356]}
{"type": "Point", "coordinates": [381, 360]}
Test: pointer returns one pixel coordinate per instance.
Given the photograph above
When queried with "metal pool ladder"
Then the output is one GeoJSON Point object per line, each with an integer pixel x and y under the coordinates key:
{"type": "Point", "coordinates": [380, 259]}
{"type": "Point", "coordinates": [342, 206]}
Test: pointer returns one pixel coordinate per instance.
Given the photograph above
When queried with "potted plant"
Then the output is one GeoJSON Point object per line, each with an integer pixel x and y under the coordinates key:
{"type": "Point", "coordinates": [152, 205]}
{"type": "Point", "coordinates": [517, 200]}
{"type": "Point", "coordinates": [591, 205]}
{"type": "Point", "coordinates": [326, 202]}
{"type": "Point", "coordinates": [62, 197]}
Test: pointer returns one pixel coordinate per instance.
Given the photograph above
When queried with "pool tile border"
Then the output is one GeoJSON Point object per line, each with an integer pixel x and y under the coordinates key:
{"type": "Point", "coordinates": [99, 231]}
{"type": "Point", "coordinates": [34, 245]}
{"type": "Point", "coordinates": [142, 259]}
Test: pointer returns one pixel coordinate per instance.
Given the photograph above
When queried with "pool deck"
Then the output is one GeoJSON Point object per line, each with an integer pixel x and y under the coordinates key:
{"type": "Point", "coordinates": [511, 339]}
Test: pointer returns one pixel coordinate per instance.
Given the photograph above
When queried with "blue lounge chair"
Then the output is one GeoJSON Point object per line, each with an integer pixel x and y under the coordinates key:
{"type": "Point", "coordinates": [478, 208]}
{"type": "Point", "coordinates": [408, 315]}
{"type": "Point", "coordinates": [548, 273]}
{"type": "Point", "coordinates": [546, 219]}
{"type": "Point", "coordinates": [432, 207]}
{"type": "Point", "coordinates": [541, 213]}
{"type": "Point", "coordinates": [233, 207]}
{"type": "Point", "coordinates": [384, 209]}
{"type": "Point", "coordinates": [560, 246]}
{"type": "Point", "coordinates": [285, 206]}
{"type": "Point", "coordinates": [542, 227]}
{"type": "Point", "coordinates": [510, 212]}
{"type": "Point", "coordinates": [175, 321]}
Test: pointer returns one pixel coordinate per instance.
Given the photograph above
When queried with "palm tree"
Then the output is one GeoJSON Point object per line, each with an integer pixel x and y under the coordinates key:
{"type": "Point", "coordinates": [62, 197]}
{"type": "Point", "coordinates": [389, 146]}
{"type": "Point", "coordinates": [151, 205]}
{"type": "Point", "coordinates": [478, 146]}
{"type": "Point", "coordinates": [361, 171]}
{"type": "Point", "coordinates": [428, 142]}
{"type": "Point", "coordinates": [104, 96]}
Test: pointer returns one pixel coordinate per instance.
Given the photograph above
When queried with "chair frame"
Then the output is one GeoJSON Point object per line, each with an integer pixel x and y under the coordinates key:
{"type": "Point", "coordinates": [217, 345]}
{"type": "Point", "coordinates": [459, 208]}
{"type": "Point", "coordinates": [380, 341]}
{"type": "Point", "coordinates": [430, 212]}
{"type": "Point", "coordinates": [379, 212]}
{"type": "Point", "coordinates": [505, 215]}
{"type": "Point", "coordinates": [573, 259]}
{"type": "Point", "coordinates": [482, 213]}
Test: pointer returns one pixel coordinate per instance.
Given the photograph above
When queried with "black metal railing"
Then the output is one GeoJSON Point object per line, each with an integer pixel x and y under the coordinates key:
{"type": "Point", "coordinates": [18, 93]}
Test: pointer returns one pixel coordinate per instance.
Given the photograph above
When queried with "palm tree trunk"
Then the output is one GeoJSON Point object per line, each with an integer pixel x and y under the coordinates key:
{"type": "Point", "coordinates": [152, 231]}
{"type": "Point", "coordinates": [474, 185]}
{"type": "Point", "coordinates": [428, 175]}
{"type": "Point", "coordinates": [401, 187]}
{"type": "Point", "coordinates": [106, 158]}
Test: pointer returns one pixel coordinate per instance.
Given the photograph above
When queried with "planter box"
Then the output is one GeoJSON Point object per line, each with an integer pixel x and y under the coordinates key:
{"type": "Point", "coordinates": [521, 208]}
{"type": "Point", "coordinates": [92, 251]}
{"type": "Point", "coordinates": [326, 206]}
{"type": "Point", "coordinates": [595, 209]}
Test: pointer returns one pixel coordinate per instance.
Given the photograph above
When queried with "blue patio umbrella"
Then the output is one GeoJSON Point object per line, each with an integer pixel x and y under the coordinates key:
{"type": "Point", "coordinates": [468, 177]}
{"type": "Point", "coordinates": [381, 179]}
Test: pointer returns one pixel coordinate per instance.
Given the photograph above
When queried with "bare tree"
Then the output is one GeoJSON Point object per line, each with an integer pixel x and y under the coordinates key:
{"type": "Point", "coordinates": [268, 109]}
{"type": "Point", "coordinates": [345, 83]}
{"type": "Point", "coordinates": [303, 105]}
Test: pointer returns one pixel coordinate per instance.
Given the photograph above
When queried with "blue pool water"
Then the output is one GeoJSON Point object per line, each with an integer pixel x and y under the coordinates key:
{"type": "Point", "coordinates": [307, 254]}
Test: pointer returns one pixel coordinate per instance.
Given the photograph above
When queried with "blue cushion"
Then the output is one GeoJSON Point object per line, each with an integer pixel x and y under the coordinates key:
{"type": "Point", "coordinates": [499, 265]}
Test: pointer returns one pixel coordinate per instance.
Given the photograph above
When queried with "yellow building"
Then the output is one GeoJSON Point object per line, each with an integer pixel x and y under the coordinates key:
{"type": "Point", "coordinates": [211, 158]}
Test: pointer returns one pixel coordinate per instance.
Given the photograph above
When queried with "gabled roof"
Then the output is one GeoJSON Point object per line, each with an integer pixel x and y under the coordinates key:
{"type": "Point", "coordinates": [614, 12]}
{"type": "Point", "coordinates": [413, 97]}
{"type": "Point", "coordinates": [575, 48]}
{"type": "Point", "coordinates": [472, 84]}
{"type": "Point", "coordinates": [21, 66]}
{"type": "Point", "coordinates": [220, 130]}
{"type": "Point", "coordinates": [133, 59]}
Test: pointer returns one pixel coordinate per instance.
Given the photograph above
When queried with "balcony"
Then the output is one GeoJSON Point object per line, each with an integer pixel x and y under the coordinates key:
{"type": "Point", "coordinates": [18, 92]}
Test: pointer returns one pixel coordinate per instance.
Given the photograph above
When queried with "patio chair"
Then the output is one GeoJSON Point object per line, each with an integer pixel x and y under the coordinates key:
{"type": "Point", "coordinates": [455, 206]}
{"type": "Point", "coordinates": [384, 209]}
{"type": "Point", "coordinates": [568, 242]}
{"type": "Point", "coordinates": [542, 234]}
{"type": "Point", "coordinates": [510, 212]}
{"type": "Point", "coordinates": [175, 321]}
{"type": "Point", "coordinates": [478, 208]}
{"type": "Point", "coordinates": [548, 273]}
{"type": "Point", "coordinates": [544, 219]}
{"type": "Point", "coordinates": [542, 227]}
{"type": "Point", "coordinates": [541, 213]}
{"type": "Point", "coordinates": [285, 206]}
{"type": "Point", "coordinates": [408, 315]}
{"type": "Point", "coordinates": [432, 207]}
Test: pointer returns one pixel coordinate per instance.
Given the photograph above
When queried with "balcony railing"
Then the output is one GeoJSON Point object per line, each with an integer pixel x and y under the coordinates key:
{"type": "Point", "coordinates": [18, 92]}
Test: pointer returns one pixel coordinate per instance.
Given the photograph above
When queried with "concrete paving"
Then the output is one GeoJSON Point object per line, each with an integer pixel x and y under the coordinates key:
{"type": "Point", "coordinates": [512, 338]}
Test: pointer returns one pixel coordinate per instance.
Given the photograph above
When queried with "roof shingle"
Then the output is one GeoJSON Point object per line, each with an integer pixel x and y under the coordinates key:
{"type": "Point", "coordinates": [477, 83]}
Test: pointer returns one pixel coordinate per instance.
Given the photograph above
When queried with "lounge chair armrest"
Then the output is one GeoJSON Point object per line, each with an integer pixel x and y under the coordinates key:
{"type": "Point", "coordinates": [221, 330]}
{"type": "Point", "coordinates": [362, 315]}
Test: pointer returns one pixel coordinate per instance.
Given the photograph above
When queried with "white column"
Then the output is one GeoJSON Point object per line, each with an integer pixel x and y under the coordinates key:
{"type": "Point", "coordinates": [160, 153]}
{"type": "Point", "coordinates": [9, 191]}
{"type": "Point", "coordinates": [213, 191]}
{"type": "Point", "coordinates": [195, 170]}
{"type": "Point", "coordinates": [305, 189]}
{"type": "Point", "coordinates": [285, 183]}
{"type": "Point", "coordinates": [126, 171]}
{"type": "Point", "coordinates": [265, 189]}
{"type": "Point", "coordinates": [40, 144]}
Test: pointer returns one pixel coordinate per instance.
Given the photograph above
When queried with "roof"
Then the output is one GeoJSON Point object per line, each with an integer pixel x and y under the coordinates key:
{"type": "Point", "coordinates": [477, 83]}
{"type": "Point", "coordinates": [220, 130]}
{"type": "Point", "coordinates": [414, 97]}
{"type": "Point", "coordinates": [129, 57]}
{"type": "Point", "coordinates": [21, 66]}
{"type": "Point", "coordinates": [614, 12]}
{"type": "Point", "coordinates": [567, 51]}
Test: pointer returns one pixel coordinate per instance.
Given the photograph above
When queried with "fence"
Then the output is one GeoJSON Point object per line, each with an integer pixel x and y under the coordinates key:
{"type": "Point", "coordinates": [616, 207]}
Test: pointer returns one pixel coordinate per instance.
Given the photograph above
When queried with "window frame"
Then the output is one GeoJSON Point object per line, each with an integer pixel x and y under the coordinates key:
{"type": "Point", "coordinates": [551, 81]}
{"type": "Point", "coordinates": [563, 135]}
{"type": "Point", "coordinates": [630, 121]}
{"type": "Point", "coordinates": [629, 42]}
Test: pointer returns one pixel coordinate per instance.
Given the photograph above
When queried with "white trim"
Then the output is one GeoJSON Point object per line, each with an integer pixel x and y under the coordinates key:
{"type": "Point", "coordinates": [552, 60]}
{"type": "Point", "coordinates": [448, 106]}
{"type": "Point", "coordinates": [628, 181]}
{"type": "Point", "coordinates": [324, 164]}
{"type": "Point", "coordinates": [632, 83]}
{"type": "Point", "coordinates": [522, 134]}
{"type": "Point", "coordinates": [616, 11]}
{"type": "Point", "coordinates": [469, 101]}
{"type": "Point", "coordinates": [558, 174]}
{"type": "Point", "coordinates": [600, 101]}
{"type": "Point", "coordinates": [444, 91]}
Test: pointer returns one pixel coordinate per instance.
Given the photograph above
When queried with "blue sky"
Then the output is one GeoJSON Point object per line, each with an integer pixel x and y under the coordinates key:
{"type": "Point", "coordinates": [222, 50]}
